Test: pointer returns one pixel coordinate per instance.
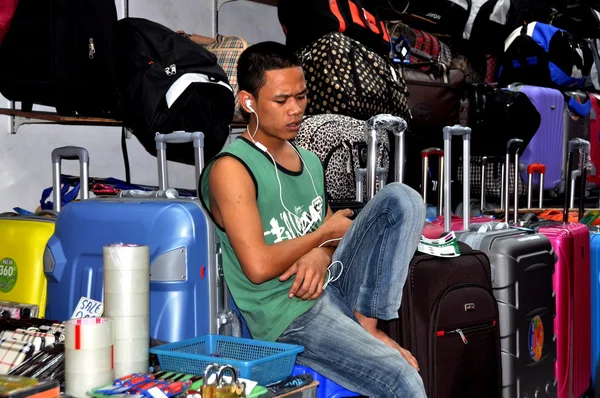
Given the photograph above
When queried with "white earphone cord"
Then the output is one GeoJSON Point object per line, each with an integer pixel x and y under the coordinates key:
{"type": "Point", "coordinates": [329, 276]}
{"type": "Point", "coordinates": [264, 149]}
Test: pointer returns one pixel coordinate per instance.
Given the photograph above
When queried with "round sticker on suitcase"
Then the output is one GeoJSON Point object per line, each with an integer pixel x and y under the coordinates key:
{"type": "Point", "coordinates": [8, 274]}
{"type": "Point", "coordinates": [536, 338]}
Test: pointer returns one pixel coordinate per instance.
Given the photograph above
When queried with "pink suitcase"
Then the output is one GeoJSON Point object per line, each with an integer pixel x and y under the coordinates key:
{"type": "Point", "coordinates": [572, 325]}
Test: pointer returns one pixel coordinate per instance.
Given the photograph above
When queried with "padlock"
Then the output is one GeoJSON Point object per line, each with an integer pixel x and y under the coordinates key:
{"type": "Point", "coordinates": [229, 391]}
{"type": "Point", "coordinates": [210, 390]}
{"type": "Point", "coordinates": [233, 389]}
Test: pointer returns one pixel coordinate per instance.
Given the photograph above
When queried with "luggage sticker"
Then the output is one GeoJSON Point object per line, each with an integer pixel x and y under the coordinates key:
{"type": "Point", "coordinates": [536, 338]}
{"type": "Point", "coordinates": [8, 274]}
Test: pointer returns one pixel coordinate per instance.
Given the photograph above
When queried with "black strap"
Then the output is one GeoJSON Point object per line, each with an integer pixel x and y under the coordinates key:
{"type": "Point", "coordinates": [125, 155]}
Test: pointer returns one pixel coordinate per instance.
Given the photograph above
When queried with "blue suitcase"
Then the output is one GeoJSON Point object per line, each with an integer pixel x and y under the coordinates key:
{"type": "Point", "coordinates": [187, 296]}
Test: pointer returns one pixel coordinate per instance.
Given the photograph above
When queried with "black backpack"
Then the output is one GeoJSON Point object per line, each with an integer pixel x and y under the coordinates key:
{"type": "Point", "coordinates": [308, 20]}
{"type": "Point", "coordinates": [58, 53]}
{"type": "Point", "coordinates": [169, 83]}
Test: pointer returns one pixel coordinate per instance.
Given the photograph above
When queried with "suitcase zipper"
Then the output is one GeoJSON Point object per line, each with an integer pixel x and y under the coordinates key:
{"type": "Point", "coordinates": [91, 48]}
{"type": "Point", "coordinates": [462, 331]}
{"type": "Point", "coordinates": [433, 334]}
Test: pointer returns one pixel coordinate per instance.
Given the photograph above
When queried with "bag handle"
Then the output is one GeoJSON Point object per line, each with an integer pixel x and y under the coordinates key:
{"type": "Point", "coordinates": [465, 132]}
{"type": "Point", "coordinates": [444, 69]}
{"type": "Point", "coordinates": [425, 154]}
{"type": "Point", "coordinates": [70, 153]}
{"type": "Point", "coordinates": [513, 146]}
{"type": "Point", "coordinates": [178, 137]}
{"type": "Point", "coordinates": [535, 168]}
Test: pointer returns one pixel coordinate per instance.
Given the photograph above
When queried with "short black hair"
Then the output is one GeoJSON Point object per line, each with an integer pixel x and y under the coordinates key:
{"type": "Point", "coordinates": [260, 58]}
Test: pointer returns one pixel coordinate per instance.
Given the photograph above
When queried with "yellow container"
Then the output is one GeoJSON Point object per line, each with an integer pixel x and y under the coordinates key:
{"type": "Point", "coordinates": [22, 244]}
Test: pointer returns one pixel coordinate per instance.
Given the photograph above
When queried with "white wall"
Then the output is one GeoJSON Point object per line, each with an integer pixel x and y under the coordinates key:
{"type": "Point", "coordinates": [25, 166]}
{"type": "Point", "coordinates": [255, 22]}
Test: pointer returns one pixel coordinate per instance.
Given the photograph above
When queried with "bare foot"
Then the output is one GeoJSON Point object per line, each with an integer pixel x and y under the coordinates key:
{"type": "Point", "coordinates": [370, 325]}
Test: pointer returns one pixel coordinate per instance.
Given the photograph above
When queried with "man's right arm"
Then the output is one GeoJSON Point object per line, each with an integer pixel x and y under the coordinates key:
{"type": "Point", "coordinates": [233, 200]}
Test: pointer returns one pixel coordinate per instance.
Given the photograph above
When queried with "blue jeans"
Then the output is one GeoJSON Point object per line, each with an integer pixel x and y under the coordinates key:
{"type": "Point", "coordinates": [375, 253]}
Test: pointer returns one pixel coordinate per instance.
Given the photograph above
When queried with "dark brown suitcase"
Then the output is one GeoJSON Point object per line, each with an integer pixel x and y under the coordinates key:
{"type": "Point", "coordinates": [449, 322]}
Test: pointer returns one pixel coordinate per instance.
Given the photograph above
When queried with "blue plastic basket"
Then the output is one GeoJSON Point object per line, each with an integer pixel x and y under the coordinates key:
{"type": "Point", "coordinates": [261, 361]}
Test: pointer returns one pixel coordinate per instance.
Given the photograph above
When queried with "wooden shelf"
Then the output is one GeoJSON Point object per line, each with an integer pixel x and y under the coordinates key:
{"type": "Point", "coordinates": [20, 118]}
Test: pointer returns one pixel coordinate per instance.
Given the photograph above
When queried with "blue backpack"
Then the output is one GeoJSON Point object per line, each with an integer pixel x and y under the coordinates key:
{"type": "Point", "coordinates": [543, 55]}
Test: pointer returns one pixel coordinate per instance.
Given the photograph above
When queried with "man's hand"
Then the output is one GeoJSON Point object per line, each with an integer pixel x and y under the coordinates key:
{"type": "Point", "coordinates": [336, 226]}
{"type": "Point", "coordinates": [310, 271]}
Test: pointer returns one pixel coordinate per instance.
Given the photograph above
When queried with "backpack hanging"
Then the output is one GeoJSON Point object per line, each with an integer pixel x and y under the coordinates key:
{"type": "Point", "coordinates": [58, 53]}
{"type": "Point", "coordinates": [543, 55]}
{"type": "Point", "coordinates": [169, 83]}
{"type": "Point", "coordinates": [308, 20]}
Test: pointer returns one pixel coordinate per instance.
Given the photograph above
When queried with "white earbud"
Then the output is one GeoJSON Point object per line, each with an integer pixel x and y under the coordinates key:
{"type": "Point", "coordinates": [249, 105]}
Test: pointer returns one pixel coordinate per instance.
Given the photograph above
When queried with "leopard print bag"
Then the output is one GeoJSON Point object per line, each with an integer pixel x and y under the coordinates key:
{"type": "Point", "coordinates": [339, 142]}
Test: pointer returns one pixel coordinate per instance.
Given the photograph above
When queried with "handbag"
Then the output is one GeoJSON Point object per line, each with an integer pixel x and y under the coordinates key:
{"type": "Point", "coordinates": [344, 77]}
{"type": "Point", "coordinates": [434, 97]}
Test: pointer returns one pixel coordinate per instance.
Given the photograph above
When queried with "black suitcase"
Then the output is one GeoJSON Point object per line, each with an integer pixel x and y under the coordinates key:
{"type": "Point", "coordinates": [449, 322]}
{"type": "Point", "coordinates": [59, 53]}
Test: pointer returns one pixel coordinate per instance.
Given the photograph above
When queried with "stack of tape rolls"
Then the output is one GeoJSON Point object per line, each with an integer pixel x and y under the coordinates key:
{"type": "Point", "coordinates": [89, 355]}
{"type": "Point", "coordinates": [127, 303]}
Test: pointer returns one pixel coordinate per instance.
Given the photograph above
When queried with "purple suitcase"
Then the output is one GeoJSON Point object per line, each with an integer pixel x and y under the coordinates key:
{"type": "Point", "coordinates": [560, 122]}
{"type": "Point", "coordinates": [547, 145]}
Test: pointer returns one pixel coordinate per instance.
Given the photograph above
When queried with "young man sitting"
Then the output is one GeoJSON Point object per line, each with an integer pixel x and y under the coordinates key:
{"type": "Point", "coordinates": [298, 273]}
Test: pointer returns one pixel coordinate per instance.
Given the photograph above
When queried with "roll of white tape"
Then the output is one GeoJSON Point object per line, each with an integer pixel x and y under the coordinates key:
{"type": "Point", "coordinates": [131, 350]}
{"type": "Point", "coordinates": [89, 333]}
{"type": "Point", "coordinates": [131, 327]}
{"type": "Point", "coordinates": [126, 256]}
{"type": "Point", "coordinates": [78, 384]}
{"type": "Point", "coordinates": [97, 359]}
{"type": "Point", "coordinates": [129, 367]}
{"type": "Point", "coordinates": [123, 280]}
{"type": "Point", "coordinates": [126, 304]}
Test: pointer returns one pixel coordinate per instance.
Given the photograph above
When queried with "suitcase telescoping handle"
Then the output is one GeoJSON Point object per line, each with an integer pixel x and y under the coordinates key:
{"type": "Point", "coordinates": [425, 154]}
{"type": "Point", "coordinates": [373, 127]}
{"type": "Point", "coordinates": [484, 162]}
{"type": "Point", "coordinates": [582, 149]}
{"type": "Point", "coordinates": [465, 132]}
{"type": "Point", "coordinates": [178, 137]}
{"type": "Point", "coordinates": [70, 153]}
{"type": "Point", "coordinates": [513, 146]}
{"type": "Point", "coordinates": [532, 169]}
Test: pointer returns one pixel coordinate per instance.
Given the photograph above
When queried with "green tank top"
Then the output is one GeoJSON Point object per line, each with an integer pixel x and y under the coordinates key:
{"type": "Point", "coordinates": [266, 307]}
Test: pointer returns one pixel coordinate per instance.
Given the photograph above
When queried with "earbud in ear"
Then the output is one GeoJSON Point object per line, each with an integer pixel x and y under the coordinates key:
{"type": "Point", "coordinates": [249, 105]}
